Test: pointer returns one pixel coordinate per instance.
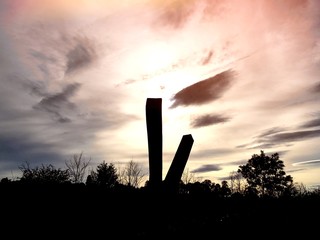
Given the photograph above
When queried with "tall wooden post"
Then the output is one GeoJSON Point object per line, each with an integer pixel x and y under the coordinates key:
{"type": "Point", "coordinates": [178, 164]}
{"type": "Point", "coordinates": [154, 131]}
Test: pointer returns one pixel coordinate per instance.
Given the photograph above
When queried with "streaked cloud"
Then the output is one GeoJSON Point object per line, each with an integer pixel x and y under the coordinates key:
{"type": "Point", "coordinates": [207, 168]}
{"type": "Point", "coordinates": [312, 123]}
{"type": "Point", "coordinates": [204, 91]}
{"type": "Point", "coordinates": [317, 88]}
{"type": "Point", "coordinates": [292, 136]}
{"type": "Point", "coordinates": [295, 170]}
{"type": "Point", "coordinates": [207, 58]}
{"type": "Point", "coordinates": [59, 104]}
{"type": "Point", "coordinates": [211, 153]}
{"type": "Point", "coordinates": [271, 131]}
{"type": "Point", "coordinates": [175, 13]}
{"type": "Point", "coordinates": [309, 162]}
{"type": "Point", "coordinates": [208, 119]}
{"type": "Point", "coordinates": [82, 54]}
{"type": "Point", "coordinates": [275, 137]}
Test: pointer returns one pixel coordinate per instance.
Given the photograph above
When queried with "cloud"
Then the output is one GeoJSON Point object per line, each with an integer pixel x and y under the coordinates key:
{"type": "Point", "coordinates": [212, 152]}
{"type": "Point", "coordinates": [81, 55]}
{"type": "Point", "coordinates": [295, 170]}
{"type": "Point", "coordinates": [227, 178]}
{"type": "Point", "coordinates": [204, 91]}
{"type": "Point", "coordinates": [317, 88]}
{"type": "Point", "coordinates": [279, 136]}
{"type": "Point", "coordinates": [309, 162]}
{"type": "Point", "coordinates": [176, 13]}
{"type": "Point", "coordinates": [16, 149]}
{"type": "Point", "coordinates": [208, 119]}
{"type": "Point", "coordinates": [57, 104]}
{"type": "Point", "coordinates": [311, 123]}
{"type": "Point", "coordinates": [292, 136]}
{"type": "Point", "coordinates": [207, 59]}
{"type": "Point", "coordinates": [271, 131]}
{"type": "Point", "coordinates": [207, 168]}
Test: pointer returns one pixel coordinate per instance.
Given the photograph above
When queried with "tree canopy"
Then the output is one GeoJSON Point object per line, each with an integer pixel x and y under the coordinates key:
{"type": "Point", "coordinates": [265, 175]}
{"type": "Point", "coordinates": [105, 175]}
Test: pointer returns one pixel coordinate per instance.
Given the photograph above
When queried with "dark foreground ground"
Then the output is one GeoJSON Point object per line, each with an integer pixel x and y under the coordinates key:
{"type": "Point", "coordinates": [91, 213]}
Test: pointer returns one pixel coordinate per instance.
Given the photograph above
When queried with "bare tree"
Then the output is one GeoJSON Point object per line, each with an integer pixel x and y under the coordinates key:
{"type": "Point", "coordinates": [189, 177]}
{"type": "Point", "coordinates": [237, 182]}
{"type": "Point", "coordinates": [77, 166]}
{"type": "Point", "coordinates": [301, 189]}
{"type": "Point", "coordinates": [132, 174]}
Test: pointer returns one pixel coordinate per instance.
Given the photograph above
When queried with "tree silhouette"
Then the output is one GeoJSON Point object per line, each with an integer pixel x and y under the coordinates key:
{"type": "Point", "coordinates": [237, 182]}
{"type": "Point", "coordinates": [77, 166]}
{"type": "Point", "coordinates": [132, 174]}
{"type": "Point", "coordinates": [265, 175]}
{"type": "Point", "coordinates": [105, 175]}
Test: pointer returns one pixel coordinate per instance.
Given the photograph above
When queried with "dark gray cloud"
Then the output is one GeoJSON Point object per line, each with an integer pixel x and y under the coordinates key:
{"type": "Point", "coordinates": [280, 138]}
{"type": "Point", "coordinates": [227, 178]}
{"type": "Point", "coordinates": [312, 123]}
{"type": "Point", "coordinates": [58, 103]}
{"type": "Point", "coordinates": [16, 149]}
{"type": "Point", "coordinates": [204, 91]}
{"type": "Point", "coordinates": [271, 131]}
{"type": "Point", "coordinates": [81, 55]}
{"type": "Point", "coordinates": [292, 136]}
{"type": "Point", "coordinates": [207, 168]}
{"type": "Point", "coordinates": [208, 119]}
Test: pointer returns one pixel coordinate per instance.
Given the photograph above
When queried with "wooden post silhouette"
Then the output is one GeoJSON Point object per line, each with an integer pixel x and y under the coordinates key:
{"type": "Point", "coordinates": [178, 164]}
{"type": "Point", "coordinates": [154, 130]}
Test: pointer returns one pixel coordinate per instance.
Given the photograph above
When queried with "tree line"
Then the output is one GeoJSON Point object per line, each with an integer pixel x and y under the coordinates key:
{"type": "Point", "coordinates": [261, 176]}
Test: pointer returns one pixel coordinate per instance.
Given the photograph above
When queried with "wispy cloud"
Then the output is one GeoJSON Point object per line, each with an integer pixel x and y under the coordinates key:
{"type": "Point", "coordinates": [207, 58]}
{"type": "Point", "coordinates": [204, 91]}
{"type": "Point", "coordinates": [81, 55]}
{"type": "Point", "coordinates": [312, 123]}
{"type": "Point", "coordinates": [292, 136]}
{"type": "Point", "coordinates": [309, 162]}
{"type": "Point", "coordinates": [207, 168]}
{"type": "Point", "coordinates": [208, 119]}
{"type": "Point", "coordinates": [295, 170]}
{"type": "Point", "coordinates": [57, 103]}
{"type": "Point", "coordinates": [271, 131]}
{"type": "Point", "coordinates": [212, 152]}
{"type": "Point", "coordinates": [317, 87]}
{"type": "Point", "coordinates": [278, 137]}
{"type": "Point", "coordinates": [176, 13]}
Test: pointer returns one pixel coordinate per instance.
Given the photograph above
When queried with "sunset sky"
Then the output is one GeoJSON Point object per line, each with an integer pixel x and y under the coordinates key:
{"type": "Point", "coordinates": [239, 75]}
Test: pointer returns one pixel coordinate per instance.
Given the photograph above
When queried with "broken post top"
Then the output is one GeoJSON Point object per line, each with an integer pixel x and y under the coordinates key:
{"type": "Point", "coordinates": [179, 161]}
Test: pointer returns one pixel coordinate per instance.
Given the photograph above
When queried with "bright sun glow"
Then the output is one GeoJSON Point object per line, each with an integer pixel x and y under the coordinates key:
{"type": "Point", "coordinates": [156, 56]}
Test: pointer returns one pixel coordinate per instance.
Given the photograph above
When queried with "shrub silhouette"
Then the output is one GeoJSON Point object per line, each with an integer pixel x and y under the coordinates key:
{"type": "Point", "coordinates": [45, 174]}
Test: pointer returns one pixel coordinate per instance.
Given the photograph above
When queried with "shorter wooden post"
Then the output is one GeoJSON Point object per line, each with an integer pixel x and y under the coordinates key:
{"type": "Point", "coordinates": [178, 164]}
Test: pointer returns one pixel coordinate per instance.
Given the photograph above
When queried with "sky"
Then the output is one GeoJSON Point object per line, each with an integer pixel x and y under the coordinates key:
{"type": "Point", "coordinates": [240, 76]}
